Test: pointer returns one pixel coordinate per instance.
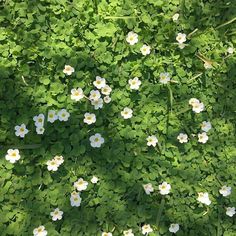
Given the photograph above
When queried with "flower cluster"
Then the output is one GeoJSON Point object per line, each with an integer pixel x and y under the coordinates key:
{"type": "Point", "coordinates": [53, 165]}
{"type": "Point", "coordinates": [39, 123]}
{"type": "Point", "coordinates": [164, 188]}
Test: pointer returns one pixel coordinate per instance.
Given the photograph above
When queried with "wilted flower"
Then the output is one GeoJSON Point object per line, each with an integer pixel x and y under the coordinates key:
{"type": "Point", "coordinates": [164, 78]}
{"type": "Point", "coordinates": [21, 130]}
{"type": "Point", "coordinates": [76, 94]}
{"type": "Point", "coordinates": [202, 138]}
{"type": "Point", "coordinates": [127, 113]}
{"type": "Point", "coordinates": [204, 198]}
{"type": "Point", "coordinates": [99, 82]}
{"type": "Point", "coordinates": [56, 214]}
{"type": "Point", "coordinates": [164, 188]}
{"type": "Point", "coordinates": [40, 231]}
{"type": "Point", "coordinates": [132, 38]}
{"type": "Point", "coordinates": [152, 140]}
{"type": "Point", "coordinates": [183, 138]}
{"type": "Point", "coordinates": [145, 50]}
{"type": "Point", "coordinates": [13, 155]}
{"type": "Point", "coordinates": [225, 191]}
{"type": "Point", "coordinates": [52, 116]}
{"type": "Point", "coordinates": [146, 229]}
{"type": "Point", "coordinates": [96, 140]}
{"type": "Point", "coordinates": [174, 228]}
{"type": "Point", "coordinates": [134, 83]}
{"type": "Point", "coordinates": [208, 65]}
{"type": "Point", "coordinates": [230, 211]}
{"type": "Point", "coordinates": [89, 118]}
{"type": "Point", "coordinates": [148, 188]}
{"type": "Point", "coordinates": [63, 115]}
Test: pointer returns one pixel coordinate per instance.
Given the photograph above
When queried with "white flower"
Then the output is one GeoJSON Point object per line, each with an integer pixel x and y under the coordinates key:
{"type": "Point", "coordinates": [52, 116]}
{"type": "Point", "coordinates": [106, 234]}
{"type": "Point", "coordinates": [80, 184]}
{"type": "Point", "coordinates": [152, 140]}
{"type": "Point", "coordinates": [181, 38]}
{"type": "Point", "coordinates": [39, 120]}
{"type": "Point", "coordinates": [182, 45]}
{"type": "Point", "coordinates": [127, 113]}
{"type": "Point", "coordinates": [89, 118]}
{"type": "Point", "coordinates": [183, 138]}
{"type": "Point", "coordinates": [192, 101]}
{"type": "Point", "coordinates": [40, 231]}
{"type": "Point", "coordinates": [208, 65]}
{"type": "Point", "coordinates": [56, 214]}
{"type": "Point", "coordinates": [174, 228]}
{"type": "Point", "coordinates": [94, 95]}
{"type": "Point", "coordinates": [146, 229]}
{"type": "Point", "coordinates": [97, 103]}
{"type": "Point", "coordinates": [164, 188]}
{"type": "Point", "coordinates": [40, 130]}
{"type": "Point", "coordinates": [68, 70]}
{"type": "Point", "coordinates": [230, 211]}
{"type": "Point", "coordinates": [128, 232]}
{"type": "Point", "coordinates": [206, 126]}
{"type": "Point", "coordinates": [13, 155]}
{"type": "Point", "coordinates": [148, 188]}
{"type": "Point", "coordinates": [175, 17]}
{"type": "Point", "coordinates": [132, 38]}
{"type": "Point", "coordinates": [198, 107]}
{"type": "Point", "coordinates": [202, 138]}
{"type": "Point", "coordinates": [59, 160]}
{"type": "Point", "coordinates": [106, 90]}
{"type": "Point", "coordinates": [145, 49]}
{"type": "Point", "coordinates": [94, 180]}
{"type": "Point", "coordinates": [164, 78]}
{"type": "Point", "coordinates": [225, 191]}
{"type": "Point", "coordinates": [204, 198]}
{"type": "Point", "coordinates": [52, 165]}
{"type": "Point", "coordinates": [96, 140]}
{"type": "Point", "coordinates": [230, 50]}
{"type": "Point", "coordinates": [134, 83]}
{"type": "Point", "coordinates": [107, 99]}
{"type": "Point", "coordinates": [63, 115]}
{"type": "Point", "coordinates": [99, 82]}
{"type": "Point", "coordinates": [75, 199]}
{"type": "Point", "coordinates": [21, 130]}
{"type": "Point", "coordinates": [77, 94]}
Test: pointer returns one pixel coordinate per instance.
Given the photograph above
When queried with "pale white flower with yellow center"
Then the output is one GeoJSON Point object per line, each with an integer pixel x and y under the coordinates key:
{"type": "Point", "coordinates": [96, 140]}
{"type": "Point", "coordinates": [97, 103]}
{"type": "Point", "coordinates": [52, 165]}
{"type": "Point", "coordinates": [40, 130]}
{"type": "Point", "coordinates": [145, 49]}
{"type": "Point", "coordinates": [230, 50]}
{"type": "Point", "coordinates": [146, 229]}
{"type": "Point", "coordinates": [40, 231]}
{"type": "Point", "coordinates": [52, 116]}
{"type": "Point", "coordinates": [202, 138]}
{"type": "Point", "coordinates": [198, 107]}
{"type": "Point", "coordinates": [94, 95]}
{"type": "Point", "coordinates": [174, 228]}
{"type": "Point", "coordinates": [164, 188]}
{"type": "Point", "coordinates": [132, 38]}
{"type": "Point", "coordinates": [225, 191]}
{"type": "Point", "coordinates": [106, 234]}
{"type": "Point", "coordinates": [94, 180]}
{"type": "Point", "coordinates": [134, 83]}
{"type": "Point", "coordinates": [230, 211]}
{"type": "Point", "coordinates": [175, 17]}
{"type": "Point", "coordinates": [192, 101]}
{"type": "Point", "coordinates": [68, 70]}
{"type": "Point", "coordinates": [148, 188]}
{"type": "Point", "coordinates": [183, 138]}
{"type": "Point", "coordinates": [56, 214]}
{"type": "Point", "coordinates": [99, 82]}
{"type": "Point", "coordinates": [107, 99]}
{"type": "Point", "coordinates": [75, 199]}
{"type": "Point", "coordinates": [63, 115]}
{"type": "Point", "coordinates": [21, 130]}
{"type": "Point", "coordinates": [206, 126]}
{"type": "Point", "coordinates": [152, 140]}
{"type": "Point", "coordinates": [127, 113]}
{"type": "Point", "coordinates": [106, 90]}
{"type": "Point", "coordinates": [89, 118]}
{"type": "Point", "coordinates": [181, 38]}
{"type": "Point", "coordinates": [39, 120]}
{"type": "Point", "coordinates": [77, 94]}
{"type": "Point", "coordinates": [81, 184]}
{"type": "Point", "coordinates": [128, 232]}
{"type": "Point", "coordinates": [204, 198]}
{"type": "Point", "coordinates": [59, 160]}
{"type": "Point", "coordinates": [164, 78]}
{"type": "Point", "coordinates": [13, 155]}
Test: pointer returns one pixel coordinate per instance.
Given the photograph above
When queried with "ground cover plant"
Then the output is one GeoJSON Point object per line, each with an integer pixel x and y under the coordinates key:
{"type": "Point", "coordinates": [117, 117]}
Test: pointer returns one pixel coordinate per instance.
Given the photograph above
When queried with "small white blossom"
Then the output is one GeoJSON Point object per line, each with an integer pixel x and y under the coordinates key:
{"type": "Point", "coordinates": [164, 188]}
{"type": "Point", "coordinates": [59, 160]}
{"type": "Point", "coordinates": [183, 138]}
{"type": "Point", "coordinates": [146, 229]}
{"type": "Point", "coordinates": [40, 130]}
{"type": "Point", "coordinates": [181, 45]}
{"type": "Point", "coordinates": [181, 38]}
{"type": "Point", "coordinates": [99, 82]}
{"type": "Point", "coordinates": [164, 78]}
{"type": "Point", "coordinates": [106, 234]}
{"type": "Point", "coordinates": [75, 199]}
{"type": "Point", "coordinates": [94, 180]}
{"type": "Point", "coordinates": [21, 130]}
{"type": "Point", "coordinates": [96, 140]}
{"type": "Point", "coordinates": [94, 95]}
{"type": "Point", "coordinates": [148, 188]}
{"type": "Point", "coordinates": [204, 198]}
{"type": "Point", "coordinates": [174, 228]}
{"type": "Point", "coordinates": [206, 126]}
{"type": "Point", "coordinates": [152, 140]}
{"type": "Point", "coordinates": [52, 116]}
{"type": "Point", "coordinates": [68, 70]}
{"type": "Point", "coordinates": [77, 94]}
{"type": "Point", "coordinates": [89, 118]}
{"type": "Point", "coordinates": [192, 101]}
{"type": "Point", "coordinates": [202, 138]}
{"type": "Point", "coordinates": [63, 115]}
{"type": "Point", "coordinates": [107, 99]}
{"type": "Point", "coordinates": [175, 17]}
{"type": "Point", "coordinates": [106, 90]}
{"type": "Point", "coordinates": [134, 83]}
{"type": "Point", "coordinates": [132, 38]}
{"type": "Point", "coordinates": [40, 231]}
{"type": "Point", "coordinates": [145, 50]}
{"type": "Point", "coordinates": [52, 165]}
{"type": "Point", "coordinates": [56, 214]}
{"type": "Point", "coordinates": [13, 155]}
{"type": "Point", "coordinates": [230, 211]}
{"type": "Point", "coordinates": [225, 191]}
{"type": "Point", "coordinates": [97, 103]}
{"type": "Point", "coordinates": [197, 106]}
{"type": "Point", "coordinates": [230, 50]}
{"type": "Point", "coordinates": [128, 232]}
{"type": "Point", "coordinates": [127, 113]}
{"type": "Point", "coordinates": [39, 120]}
{"type": "Point", "coordinates": [80, 184]}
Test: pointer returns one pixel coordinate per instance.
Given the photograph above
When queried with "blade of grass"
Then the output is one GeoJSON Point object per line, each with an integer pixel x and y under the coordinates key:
{"type": "Point", "coordinates": [160, 211]}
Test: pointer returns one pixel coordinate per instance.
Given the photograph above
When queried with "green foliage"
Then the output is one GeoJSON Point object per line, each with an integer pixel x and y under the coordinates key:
{"type": "Point", "coordinates": [37, 38]}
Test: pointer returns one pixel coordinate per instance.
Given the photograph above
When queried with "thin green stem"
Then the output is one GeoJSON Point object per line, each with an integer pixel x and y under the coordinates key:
{"type": "Point", "coordinates": [226, 23]}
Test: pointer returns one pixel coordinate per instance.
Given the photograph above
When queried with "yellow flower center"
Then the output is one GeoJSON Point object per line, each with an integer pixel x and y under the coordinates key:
{"type": "Point", "coordinates": [51, 115]}
{"type": "Point", "coordinates": [22, 129]}
{"type": "Point", "coordinates": [96, 139]}
{"type": "Point", "coordinates": [40, 120]}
